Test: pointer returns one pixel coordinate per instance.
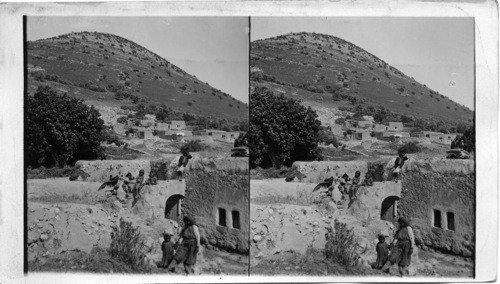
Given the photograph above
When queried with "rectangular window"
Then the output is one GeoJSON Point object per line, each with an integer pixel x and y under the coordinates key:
{"type": "Point", "coordinates": [437, 218]}
{"type": "Point", "coordinates": [222, 217]}
{"type": "Point", "coordinates": [236, 219]}
{"type": "Point", "coordinates": [450, 218]}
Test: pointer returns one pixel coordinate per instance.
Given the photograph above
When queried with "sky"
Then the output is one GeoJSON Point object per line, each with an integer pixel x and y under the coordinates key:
{"type": "Point", "coordinates": [438, 52]}
{"type": "Point", "coordinates": [214, 49]}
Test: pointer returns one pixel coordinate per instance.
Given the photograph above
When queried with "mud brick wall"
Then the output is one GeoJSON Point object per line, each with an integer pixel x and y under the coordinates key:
{"type": "Point", "coordinates": [440, 187]}
{"type": "Point", "coordinates": [215, 184]}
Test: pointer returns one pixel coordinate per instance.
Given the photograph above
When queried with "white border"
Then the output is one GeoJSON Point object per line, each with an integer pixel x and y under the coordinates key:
{"type": "Point", "coordinates": [11, 117]}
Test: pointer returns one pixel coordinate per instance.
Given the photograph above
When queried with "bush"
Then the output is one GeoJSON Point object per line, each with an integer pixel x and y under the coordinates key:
{"type": "Point", "coordinates": [328, 138]}
{"type": "Point", "coordinates": [61, 130]}
{"type": "Point", "coordinates": [127, 244]}
{"type": "Point", "coordinates": [467, 141]}
{"type": "Point", "coordinates": [281, 130]}
{"type": "Point", "coordinates": [122, 119]}
{"type": "Point", "coordinates": [410, 147]}
{"type": "Point", "coordinates": [341, 246]}
{"type": "Point", "coordinates": [193, 146]}
{"type": "Point", "coordinates": [241, 141]}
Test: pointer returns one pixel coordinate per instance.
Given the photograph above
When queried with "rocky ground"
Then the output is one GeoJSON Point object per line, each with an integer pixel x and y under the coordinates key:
{"type": "Point", "coordinates": [288, 227]}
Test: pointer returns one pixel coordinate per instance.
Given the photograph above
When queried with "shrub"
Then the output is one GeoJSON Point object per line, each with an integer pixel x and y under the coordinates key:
{"type": "Point", "coordinates": [410, 147]}
{"type": "Point", "coordinates": [241, 141]}
{"type": "Point", "coordinates": [407, 105]}
{"type": "Point", "coordinates": [340, 120]}
{"type": "Point", "coordinates": [193, 146]}
{"type": "Point", "coordinates": [341, 246]}
{"type": "Point", "coordinates": [467, 141]}
{"type": "Point", "coordinates": [61, 130]}
{"type": "Point", "coordinates": [327, 137]}
{"type": "Point", "coordinates": [122, 119]}
{"type": "Point", "coordinates": [281, 130]}
{"type": "Point", "coordinates": [127, 244]}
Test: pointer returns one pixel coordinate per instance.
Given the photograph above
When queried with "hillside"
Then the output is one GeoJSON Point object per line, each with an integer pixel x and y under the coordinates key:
{"type": "Point", "coordinates": [106, 69]}
{"type": "Point", "coordinates": [328, 71]}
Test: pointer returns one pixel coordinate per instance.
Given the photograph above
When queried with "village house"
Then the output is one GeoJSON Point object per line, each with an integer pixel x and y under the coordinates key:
{"type": "Point", "coordinates": [365, 124]}
{"type": "Point", "coordinates": [221, 135]}
{"type": "Point", "coordinates": [349, 123]}
{"type": "Point", "coordinates": [362, 135]}
{"type": "Point", "coordinates": [379, 127]}
{"type": "Point", "coordinates": [436, 137]}
{"type": "Point", "coordinates": [391, 136]}
{"type": "Point", "coordinates": [395, 126]}
{"type": "Point", "coordinates": [146, 123]}
{"type": "Point", "coordinates": [177, 124]}
{"type": "Point", "coordinates": [145, 134]}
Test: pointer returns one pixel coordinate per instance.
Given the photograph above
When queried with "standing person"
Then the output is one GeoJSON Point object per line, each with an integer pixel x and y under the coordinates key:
{"type": "Point", "coordinates": [188, 248]}
{"type": "Point", "coordinates": [168, 251]}
{"type": "Point", "coordinates": [402, 249]}
{"type": "Point", "coordinates": [183, 161]}
{"type": "Point", "coordinates": [353, 190]}
{"type": "Point", "coordinates": [139, 183]}
{"type": "Point", "coordinates": [127, 184]}
{"type": "Point", "coordinates": [398, 165]}
{"type": "Point", "coordinates": [382, 252]}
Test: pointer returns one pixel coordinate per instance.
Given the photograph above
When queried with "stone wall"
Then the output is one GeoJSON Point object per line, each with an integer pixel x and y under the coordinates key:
{"type": "Point", "coordinates": [447, 186]}
{"type": "Point", "coordinates": [219, 183]}
{"type": "Point", "coordinates": [316, 172]}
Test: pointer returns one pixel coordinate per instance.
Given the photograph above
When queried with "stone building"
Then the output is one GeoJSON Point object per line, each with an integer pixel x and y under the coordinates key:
{"type": "Point", "coordinates": [215, 191]}
{"type": "Point", "coordinates": [436, 195]}
{"type": "Point", "coordinates": [362, 135]}
{"type": "Point", "coordinates": [395, 126]}
{"type": "Point", "coordinates": [177, 124]}
{"type": "Point", "coordinates": [439, 198]}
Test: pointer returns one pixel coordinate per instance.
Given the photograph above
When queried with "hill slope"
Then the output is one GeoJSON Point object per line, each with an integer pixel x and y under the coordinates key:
{"type": "Point", "coordinates": [108, 69]}
{"type": "Point", "coordinates": [313, 67]}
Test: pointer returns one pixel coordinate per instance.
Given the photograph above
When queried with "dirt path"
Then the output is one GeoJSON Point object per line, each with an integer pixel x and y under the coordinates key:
{"type": "Point", "coordinates": [313, 263]}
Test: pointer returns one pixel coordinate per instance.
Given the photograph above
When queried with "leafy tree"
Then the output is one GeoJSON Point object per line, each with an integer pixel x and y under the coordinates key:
{"type": "Point", "coordinates": [467, 141]}
{"type": "Point", "coordinates": [281, 130]}
{"type": "Point", "coordinates": [241, 141]}
{"type": "Point", "coordinates": [61, 130]}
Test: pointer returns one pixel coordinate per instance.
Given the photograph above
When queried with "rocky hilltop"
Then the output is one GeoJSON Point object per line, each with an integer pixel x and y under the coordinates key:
{"type": "Point", "coordinates": [108, 69]}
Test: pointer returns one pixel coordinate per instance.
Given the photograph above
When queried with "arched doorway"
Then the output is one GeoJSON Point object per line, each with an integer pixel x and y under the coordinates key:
{"type": "Point", "coordinates": [389, 209]}
{"type": "Point", "coordinates": [173, 207]}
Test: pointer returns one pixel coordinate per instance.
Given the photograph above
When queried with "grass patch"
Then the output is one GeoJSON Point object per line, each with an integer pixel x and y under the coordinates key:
{"type": "Point", "coordinates": [73, 172]}
{"type": "Point", "coordinates": [342, 245]}
{"type": "Point", "coordinates": [87, 197]}
{"type": "Point", "coordinates": [120, 153]}
{"type": "Point", "coordinates": [127, 244]}
{"type": "Point", "coordinates": [98, 261]}
{"type": "Point", "coordinates": [284, 172]}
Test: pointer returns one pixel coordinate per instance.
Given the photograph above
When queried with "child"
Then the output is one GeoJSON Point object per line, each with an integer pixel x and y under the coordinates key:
{"type": "Point", "coordinates": [353, 190]}
{"type": "Point", "coordinates": [168, 251]}
{"type": "Point", "coordinates": [368, 180]}
{"type": "Point", "coordinates": [382, 252]}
